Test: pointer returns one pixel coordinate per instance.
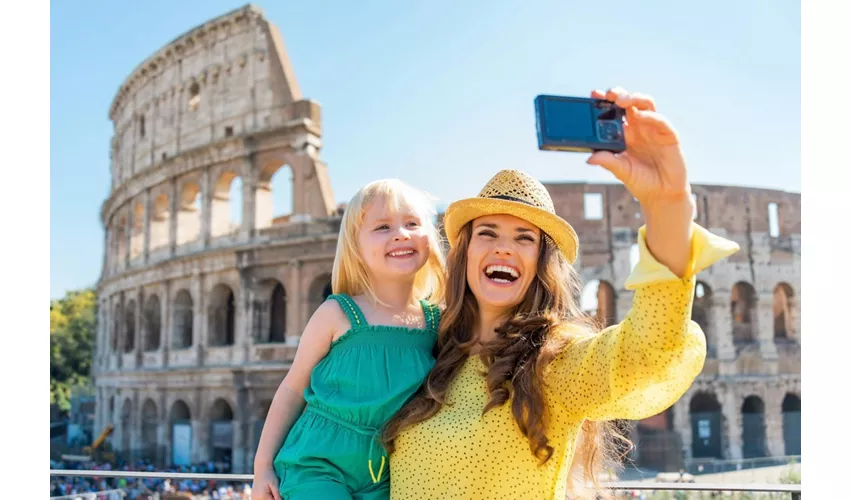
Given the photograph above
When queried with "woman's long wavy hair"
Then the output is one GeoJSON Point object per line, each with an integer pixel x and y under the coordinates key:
{"type": "Point", "coordinates": [525, 344]}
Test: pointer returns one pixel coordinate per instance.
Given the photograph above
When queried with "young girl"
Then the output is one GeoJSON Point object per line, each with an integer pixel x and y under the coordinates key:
{"type": "Point", "coordinates": [364, 352]}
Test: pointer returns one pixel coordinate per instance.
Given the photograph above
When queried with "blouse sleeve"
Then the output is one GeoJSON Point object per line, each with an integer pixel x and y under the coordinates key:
{"type": "Point", "coordinates": [641, 366]}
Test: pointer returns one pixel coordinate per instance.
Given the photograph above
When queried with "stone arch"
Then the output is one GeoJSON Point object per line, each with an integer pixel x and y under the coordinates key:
{"type": "Point", "coordinates": [226, 209]}
{"type": "Point", "coordinates": [149, 425]}
{"type": "Point", "coordinates": [180, 412]}
{"type": "Point", "coordinates": [152, 323]}
{"type": "Point", "coordinates": [743, 313]}
{"type": "Point", "coordinates": [130, 326]}
{"type": "Point", "coordinates": [194, 97]}
{"type": "Point", "coordinates": [189, 214]}
{"type": "Point", "coordinates": [701, 309]}
{"type": "Point", "coordinates": [121, 239]}
{"type": "Point", "coordinates": [791, 429]}
{"type": "Point", "coordinates": [599, 299]}
{"type": "Point", "coordinates": [753, 428]}
{"type": "Point", "coordinates": [273, 197]}
{"type": "Point", "coordinates": [277, 332]}
{"type": "Point", "coordinates": [222, 316]}
{"type": "Point", "coordinates": [126, 424]}
{"type": "Point", "coordinates": [110, 245]}
{"type": "Point", "coordinates": [221, 431]}
{"type": "Point", "coordinates": [159, 222]}
{"type": "Point", "coordinates": [783, 312]}
{"type": "Point", "coordinates": [706, 426]}
{"type": "Point", "coordinates": [320, 289]}
{"type": "Point", "coordinates": [183, 320]}
{"type": "Point", "coordinates": [180, 433]}
{"type": "Point", "coordinates": [137, 234]}
{"type": "Point", "coordinates": [270, 312]}
{"type": "Point", "coordinates": [116, 327]}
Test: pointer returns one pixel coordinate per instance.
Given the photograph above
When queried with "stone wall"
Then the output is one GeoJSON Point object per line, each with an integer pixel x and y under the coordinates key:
{"type": "Point", "coordinates": [747, 305]}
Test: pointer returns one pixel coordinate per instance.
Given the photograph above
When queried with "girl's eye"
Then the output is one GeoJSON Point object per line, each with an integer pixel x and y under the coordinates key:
{"type": "Point", "coordinates": [413, 224]}
{"type": "Point", "coordinates": [382, 227]}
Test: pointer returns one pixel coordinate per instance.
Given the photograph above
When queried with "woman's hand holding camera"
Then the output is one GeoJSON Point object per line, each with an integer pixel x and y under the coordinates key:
{"type": "Point", "coordinates": [653, 169]}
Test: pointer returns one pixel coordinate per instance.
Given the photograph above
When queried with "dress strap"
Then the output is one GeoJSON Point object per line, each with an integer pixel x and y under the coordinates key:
{"type": "Point", "coordinates": [432, 315]}
{"type": "Point", "coordinates": [349, 307]}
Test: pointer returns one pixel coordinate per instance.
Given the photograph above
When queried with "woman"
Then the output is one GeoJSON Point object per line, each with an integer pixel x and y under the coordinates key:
{"type": "Point", "coordinates": [516, 403]}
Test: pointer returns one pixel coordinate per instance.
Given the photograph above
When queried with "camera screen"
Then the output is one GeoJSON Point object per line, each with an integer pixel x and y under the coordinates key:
{"type": "Point", "coordinates": [568, 119]}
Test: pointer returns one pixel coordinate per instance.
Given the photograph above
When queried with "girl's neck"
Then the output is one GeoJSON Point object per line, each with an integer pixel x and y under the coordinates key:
{"type": "Point", "coordinates": [396, 295]}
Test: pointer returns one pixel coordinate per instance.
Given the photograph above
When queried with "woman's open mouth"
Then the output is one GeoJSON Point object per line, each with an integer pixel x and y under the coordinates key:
{"type": "Point", "coordinates": [502, 275]}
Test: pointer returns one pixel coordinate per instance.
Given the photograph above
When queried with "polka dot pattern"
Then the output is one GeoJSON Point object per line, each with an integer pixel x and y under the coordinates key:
{"type": "Point", "coordinates": [632, 370]}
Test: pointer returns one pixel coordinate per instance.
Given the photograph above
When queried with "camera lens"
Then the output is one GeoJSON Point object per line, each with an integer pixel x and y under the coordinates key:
{"type": "Point", "coordinates": [609, 131]}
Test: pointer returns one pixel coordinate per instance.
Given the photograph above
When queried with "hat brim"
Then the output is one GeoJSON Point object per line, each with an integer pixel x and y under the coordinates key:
{"type": "Point", "coordinates": [463, 211]}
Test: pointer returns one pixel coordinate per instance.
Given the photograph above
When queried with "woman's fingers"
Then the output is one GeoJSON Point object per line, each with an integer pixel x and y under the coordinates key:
{"type": "Point", "coordinates": [640, 101]}
{"type": "Point", "coordinates": [615, 93]}
{"type": "Point", "coordinates": [617, 164]}
{"type": "Point", "coordinates": [624, 99]}
{"type": "Point", "coordinates": [654, 127]}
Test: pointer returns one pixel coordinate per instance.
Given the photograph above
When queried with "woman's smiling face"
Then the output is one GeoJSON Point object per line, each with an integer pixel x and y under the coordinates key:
{"type": "Point", "coordinates": [501, 260]}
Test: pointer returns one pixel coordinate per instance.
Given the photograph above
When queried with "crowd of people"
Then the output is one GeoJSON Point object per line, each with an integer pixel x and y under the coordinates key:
{"type": "Point", "coordinates": [146, 488]}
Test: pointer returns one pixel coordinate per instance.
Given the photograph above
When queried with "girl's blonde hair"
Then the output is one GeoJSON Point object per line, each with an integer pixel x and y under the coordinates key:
{"type": "Point", "coordinates": [350, 275]}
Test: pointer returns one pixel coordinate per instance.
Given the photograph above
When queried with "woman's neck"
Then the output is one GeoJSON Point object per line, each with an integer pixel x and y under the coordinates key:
{"type": "Point", "coordinates": [488, 320]}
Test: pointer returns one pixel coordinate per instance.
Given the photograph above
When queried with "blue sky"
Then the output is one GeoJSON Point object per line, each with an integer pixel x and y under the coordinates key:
{"type": "Point", "coordinates": [440, 93]}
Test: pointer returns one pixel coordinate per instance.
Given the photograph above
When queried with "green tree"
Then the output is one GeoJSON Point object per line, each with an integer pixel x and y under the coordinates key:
{"type": "Point", "coordinates": [72, 335]}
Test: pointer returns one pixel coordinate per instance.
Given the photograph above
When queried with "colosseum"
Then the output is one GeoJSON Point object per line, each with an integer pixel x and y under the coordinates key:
{"type": "Point", "coordinates": [200, 310]}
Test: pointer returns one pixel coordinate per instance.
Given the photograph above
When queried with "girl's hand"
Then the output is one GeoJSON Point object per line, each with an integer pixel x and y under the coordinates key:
{"type": "Point", "coordinates": [266, 485]}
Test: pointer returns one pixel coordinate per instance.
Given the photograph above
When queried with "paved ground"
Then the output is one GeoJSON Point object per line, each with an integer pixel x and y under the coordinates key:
{"type": "Point", "coordinates": [770, 475]}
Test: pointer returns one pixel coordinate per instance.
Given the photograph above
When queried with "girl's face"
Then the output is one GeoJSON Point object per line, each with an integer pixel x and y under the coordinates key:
{"type": "Point", "coordinates": [392, 243]}
{"type": "Point", "coordinates": [501, 261]}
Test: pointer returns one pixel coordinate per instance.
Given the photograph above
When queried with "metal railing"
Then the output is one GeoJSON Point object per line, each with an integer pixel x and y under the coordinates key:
{"type": "Point", "coordinates": [793, 490]}
{"type": "Point", "coordinates": [91, 495]}
{"type": "Point", "coordinates": [717, 466]}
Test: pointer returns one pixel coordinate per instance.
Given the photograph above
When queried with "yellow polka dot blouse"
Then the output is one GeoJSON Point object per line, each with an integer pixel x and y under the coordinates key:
{"type": "Point", "coordinates": [632, 370]}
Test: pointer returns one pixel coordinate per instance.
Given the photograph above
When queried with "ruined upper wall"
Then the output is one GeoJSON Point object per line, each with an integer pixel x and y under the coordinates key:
{"type": "Point", "coordinates": [730, 209]}
{"type": "Point", "coordinates": [228, 77]}
{"type": "Point", "coordinates": [740, 214]}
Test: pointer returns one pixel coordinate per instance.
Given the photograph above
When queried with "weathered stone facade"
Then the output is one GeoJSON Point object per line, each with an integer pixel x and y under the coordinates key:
{"type": "Point", "coordinates": [748, 394]}
{"type": "Point", "coordinates": [199, 318]}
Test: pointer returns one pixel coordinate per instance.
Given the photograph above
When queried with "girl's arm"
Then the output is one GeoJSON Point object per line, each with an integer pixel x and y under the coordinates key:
{"type": "Point", "coordinates": [288, 402]}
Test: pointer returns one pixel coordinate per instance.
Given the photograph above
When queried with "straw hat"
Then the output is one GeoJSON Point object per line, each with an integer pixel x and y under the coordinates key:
{"type": "Point", "coordinates": [516, 193]}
